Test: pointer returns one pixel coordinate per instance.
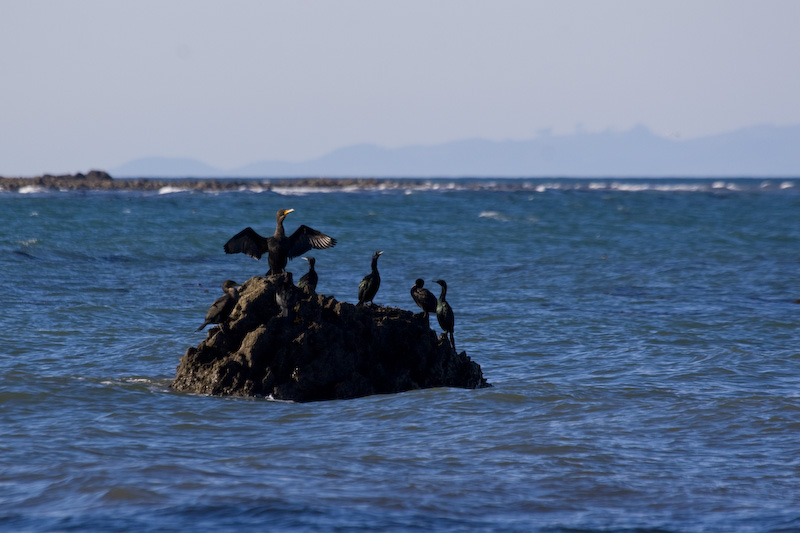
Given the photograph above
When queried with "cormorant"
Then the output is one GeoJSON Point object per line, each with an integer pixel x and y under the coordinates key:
{"type": "Point", "coordinates": [308, 282]}
{"type": "Point", "coordinates": [369, 286]}
{"type": "Point", "coordinates": [221, 309]}
{"type": "Point", "coordinates": [424, 298]}
{"type": "Point", "coordinates": [279, 248]}
{"type": "Point", "coordinates": [444, 313]}
{"type": "Point", "coordinates": [286, 296]}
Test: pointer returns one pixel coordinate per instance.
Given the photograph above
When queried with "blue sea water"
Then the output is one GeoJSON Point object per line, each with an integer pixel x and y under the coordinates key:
{"type": "Point", "coordinates": [642, 338]}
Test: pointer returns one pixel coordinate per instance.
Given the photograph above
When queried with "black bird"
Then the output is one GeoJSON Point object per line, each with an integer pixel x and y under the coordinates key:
{"type": "Point", "coordinates": [308, 282]}
{"type": "Point", "coordinates": [279, 248]}
{"type": "Point", "coordinates": [424, 298]}
{"type": "Point", "coordinates": [369, 286]}
{"type": "Point", "coordinates": [286, 296]}
{"type": "Point", "coordinates": [221, 309]}
{"type": "Point", "coordinates": [444, 313]}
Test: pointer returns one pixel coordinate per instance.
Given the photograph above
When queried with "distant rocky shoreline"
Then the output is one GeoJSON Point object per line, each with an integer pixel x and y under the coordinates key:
{"type": "Point", "coordinates": [98, 180]}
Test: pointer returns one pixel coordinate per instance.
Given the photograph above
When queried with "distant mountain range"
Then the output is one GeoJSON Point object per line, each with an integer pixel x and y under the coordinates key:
{"type": "Point", "coordinates": [759, 151]}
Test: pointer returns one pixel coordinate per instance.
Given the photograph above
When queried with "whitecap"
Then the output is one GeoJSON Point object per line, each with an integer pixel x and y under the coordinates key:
{"type": "Point", "coordinates": [492, 215]}
{"type": "Point", "coordinates": [169, 189]}
{"type": "Point", "coordinates": [302, 191]}
{"type": "Point", "coordinates": [630, 187]}
{"type": "Point", "coordinates": [660, 187]}
{"type": "Point", "coordinates": [250, 188]}
{"type": "Point", "coordinates": [678, 187]}
{"type": "Point", "coordinates": [428, 186]}
{"type": "Point", "coordinates": [30, 189]}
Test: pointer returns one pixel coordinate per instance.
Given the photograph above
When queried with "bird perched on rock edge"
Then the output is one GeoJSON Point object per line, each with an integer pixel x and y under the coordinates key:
{"type": "Point", "coordinates": [221, 309]}
{"type": "Point", "coordinates": [308, 281]}
{"type": "Point", "coordinates": [286, 296]}
{"type": "Point", "coordinates": [369, 286]}
{"type": "Point", "coordinates": [423, 297]}
{"type": "Point", "coordinates": [444, 313]}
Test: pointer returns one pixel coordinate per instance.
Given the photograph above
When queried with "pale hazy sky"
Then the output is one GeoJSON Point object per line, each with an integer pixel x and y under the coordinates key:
{"type": "Point", "coordinates": [96, 83]}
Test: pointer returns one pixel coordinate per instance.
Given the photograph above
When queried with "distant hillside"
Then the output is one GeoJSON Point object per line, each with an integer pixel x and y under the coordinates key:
{"type": "Point", "coordinates": [756, 151]}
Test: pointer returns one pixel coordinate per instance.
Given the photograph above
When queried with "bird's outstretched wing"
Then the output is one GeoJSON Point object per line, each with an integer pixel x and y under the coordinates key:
{"type": "Point", "coordinates": [305, 238]}
{"type": "Point", "coordinates": [247, 242]}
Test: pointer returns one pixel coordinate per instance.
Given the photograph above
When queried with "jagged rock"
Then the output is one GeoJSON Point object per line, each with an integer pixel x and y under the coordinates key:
{"type": "Point", "coordinates": [324, 349]}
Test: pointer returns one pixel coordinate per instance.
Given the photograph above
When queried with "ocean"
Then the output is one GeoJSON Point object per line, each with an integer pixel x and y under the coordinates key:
{"type": "Point", "coordinates": [642, 338]}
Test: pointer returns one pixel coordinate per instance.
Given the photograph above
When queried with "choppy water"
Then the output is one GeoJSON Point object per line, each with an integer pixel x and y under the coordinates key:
{"type": "Point", "coordinates": [642, 338]}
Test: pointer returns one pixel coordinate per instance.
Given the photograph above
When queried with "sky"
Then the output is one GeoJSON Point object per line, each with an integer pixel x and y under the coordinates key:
{"type": "Point", "coordinates": [97, 83]}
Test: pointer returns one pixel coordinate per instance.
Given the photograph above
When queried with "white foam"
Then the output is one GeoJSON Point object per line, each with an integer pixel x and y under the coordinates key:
{"type": "Point", "coordinates": [677, 187]}
{"type": "Point", "coordinates": [661, 187]}
{"type": "Point", "coordinates": [30, 189]}
{"type": "Point", "coordinates": [630, 187]}
{"type": "Point", "coordinates": [492, 215]}
{"type": "Point", "coordinates": [249, 188]}
{"type": "Point", "coordinates": [302, 191]}
{"type": "Point", "coordinates": [169, 189]}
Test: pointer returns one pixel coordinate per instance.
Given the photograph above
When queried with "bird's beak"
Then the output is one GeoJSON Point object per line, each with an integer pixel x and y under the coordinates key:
{"type": "Point", "coordinates": [379, 253]}
{"type": "Point", "coordinates": [289, 211]}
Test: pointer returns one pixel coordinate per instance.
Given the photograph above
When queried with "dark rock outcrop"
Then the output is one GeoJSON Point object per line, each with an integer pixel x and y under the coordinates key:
{"type": "Point", "coordinates": [323, 350]}
{"type": "Point", "coordinates": [98, 180]}
{"type": "Point", "coordinates": [93, 180]}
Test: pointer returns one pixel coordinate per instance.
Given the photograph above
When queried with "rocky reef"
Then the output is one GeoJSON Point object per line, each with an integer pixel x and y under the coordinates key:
{"type": "Point", "coordinates": [93, 180]}
{"type": "Point", "coordinates": [303, 347]}
{"type": "Point", "coordinates": [99, 180]}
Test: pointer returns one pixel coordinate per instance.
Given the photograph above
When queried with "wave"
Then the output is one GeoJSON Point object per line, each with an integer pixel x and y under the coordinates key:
{"type": "Point", "coordinates": [305, 190]}
{"type": "Point", "coordinates": [32, 189]}
{"type": "Point", "coordinates": [493, 215]}
{"type": "Point", "coordinates": [172, 190]}
{"type": "Point", "coordinates": [538, 185]}
{"type": "Point", "coordinates": [303, 187]}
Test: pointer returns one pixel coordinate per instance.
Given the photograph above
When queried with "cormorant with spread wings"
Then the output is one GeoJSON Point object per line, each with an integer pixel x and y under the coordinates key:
{"type": "Point", "coordinates": [279, 248]}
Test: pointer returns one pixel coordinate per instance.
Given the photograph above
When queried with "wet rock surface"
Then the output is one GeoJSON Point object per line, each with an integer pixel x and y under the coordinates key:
{"type": "Point", "coordinates": [319, 349]}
